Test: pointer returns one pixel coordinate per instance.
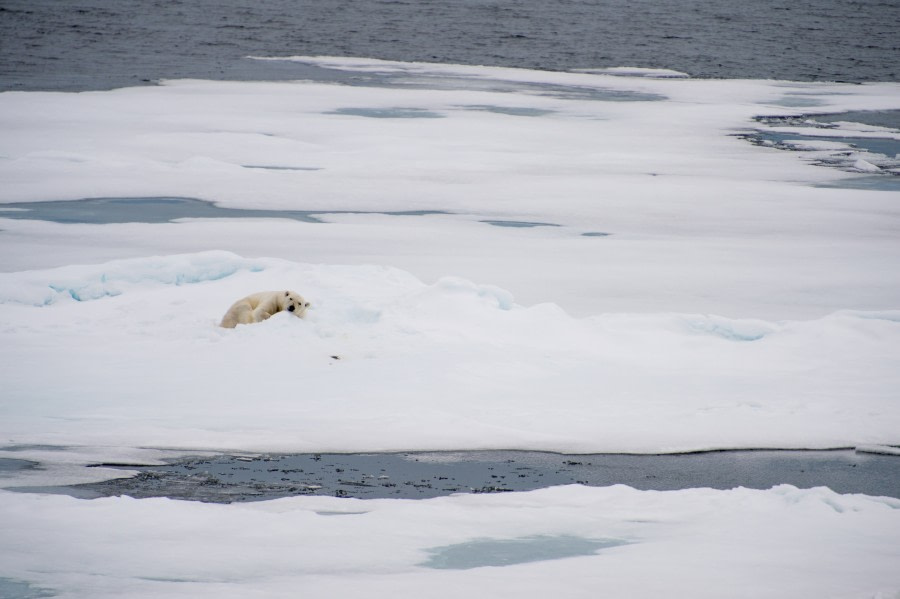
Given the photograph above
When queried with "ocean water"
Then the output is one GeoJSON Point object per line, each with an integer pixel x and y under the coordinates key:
{"type": "Point", "coordinates": [102, 44]}
{"type": "Point", "coordinates": [226, 479]}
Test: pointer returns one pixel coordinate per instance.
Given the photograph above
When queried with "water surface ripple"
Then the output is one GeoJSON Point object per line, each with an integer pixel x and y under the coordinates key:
{"type": "Point", "coordinates": [102, 44]}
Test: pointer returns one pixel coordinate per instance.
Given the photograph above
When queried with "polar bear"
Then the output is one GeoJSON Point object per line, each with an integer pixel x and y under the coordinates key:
{"type": "Point", "coordinates": [260, 306]}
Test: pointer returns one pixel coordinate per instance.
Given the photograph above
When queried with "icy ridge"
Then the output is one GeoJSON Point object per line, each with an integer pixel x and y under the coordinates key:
{"type": "Point", "coordinates": [363, 294]}
{"type": "Point", "coordinates": [90, 282]}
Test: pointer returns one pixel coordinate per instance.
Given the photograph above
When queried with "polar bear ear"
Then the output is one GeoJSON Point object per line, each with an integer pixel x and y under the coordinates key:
{"type": "Point", "coordinates": [287, 294]}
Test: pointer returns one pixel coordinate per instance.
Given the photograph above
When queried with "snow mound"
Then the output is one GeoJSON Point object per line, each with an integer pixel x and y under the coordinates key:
{"type": "Point", "coordinates": [386, 362]}
{"type": "Point", "coordinates": [85, 283]}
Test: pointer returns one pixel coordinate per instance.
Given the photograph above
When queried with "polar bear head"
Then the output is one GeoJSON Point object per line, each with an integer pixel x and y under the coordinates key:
{"type": "Point", "coordinates": [291, 301]}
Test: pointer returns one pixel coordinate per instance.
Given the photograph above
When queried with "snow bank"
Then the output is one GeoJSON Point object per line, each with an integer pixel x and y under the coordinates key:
{"type": "Point", "coordinates": [386, 362]}
{"type": "Point", "coordinates": [84, 283]}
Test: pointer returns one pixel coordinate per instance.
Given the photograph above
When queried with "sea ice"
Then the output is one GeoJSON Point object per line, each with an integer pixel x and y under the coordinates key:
{"type": "Point", "coordinates": [699, 543]}
{"type": "Point", "coordinates": [865, 166]}
{"type": "Point", "coordinates": [139, 361]}
{"type": "Point", "coordinates": [700, 221]}
{"type": "Point", "coordinates": [735, 301]}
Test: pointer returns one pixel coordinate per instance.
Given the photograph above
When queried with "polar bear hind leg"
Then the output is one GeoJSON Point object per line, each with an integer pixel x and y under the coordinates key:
{"type": "Point", "coordinates": [241, 312]}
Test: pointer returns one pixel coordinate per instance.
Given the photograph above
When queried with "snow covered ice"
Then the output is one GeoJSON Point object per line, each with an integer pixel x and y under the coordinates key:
{"type": "Point", "coordinates": [697, 292]}
{"type": "Point", "coordinates": [138, 360]}
{"type": "Point", "coordinates": [697, 543]}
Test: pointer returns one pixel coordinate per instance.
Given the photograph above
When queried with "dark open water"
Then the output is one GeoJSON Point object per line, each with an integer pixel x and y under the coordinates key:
{"type": "Point", "coordinates": [101, 44]}
{"type": "Point", "coordinates": [226, 478]}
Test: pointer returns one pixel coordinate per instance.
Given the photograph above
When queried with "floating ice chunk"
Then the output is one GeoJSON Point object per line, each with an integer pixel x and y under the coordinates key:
{"type": "Point", "coordinates": [861, 127]}
{"type": "Point", "coordinates": [864, 165]}
{"type": "Point", "coordinates": [349, 63]}
{"type": "Point", "coordinates": [816, 145]}
{"type": "Point", "coordinates": [637, 72]}
{"type": "Point", "coordinates": [879, 449]}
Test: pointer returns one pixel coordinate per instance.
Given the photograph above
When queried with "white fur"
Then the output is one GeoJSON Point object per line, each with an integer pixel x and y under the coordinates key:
{"type": "Point", "coordinates": [262, 305]}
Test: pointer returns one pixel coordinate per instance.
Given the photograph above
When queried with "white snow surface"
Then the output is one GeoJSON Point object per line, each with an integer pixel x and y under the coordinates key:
{"type": "Point", "coordinates": [784, 542]}
{"type": "Point", "coordinates": [723, 301]}
{"type": "Point", "coordinates": [385, 362]}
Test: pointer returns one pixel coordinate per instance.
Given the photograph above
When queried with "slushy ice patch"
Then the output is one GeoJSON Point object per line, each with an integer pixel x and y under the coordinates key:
{"type": "Point", "coordinates": [388, 113]}
{"type": "Point", "coordinates": [103, 211]}
{"type": "Point", "coordinates": [18, 589]}
{"type": "Point", "coordinates": [508, 552]}
{"type": "Point", "coordinates": [518, 224]}
{"type": "Point", "coordinates": [857, 141]}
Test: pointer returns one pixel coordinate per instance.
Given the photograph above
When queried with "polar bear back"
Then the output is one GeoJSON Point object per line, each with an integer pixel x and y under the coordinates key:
{"type": "Point", "coordinates": [264, 298]}
{"type": "Point", "coordinates": [258, 307]}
